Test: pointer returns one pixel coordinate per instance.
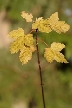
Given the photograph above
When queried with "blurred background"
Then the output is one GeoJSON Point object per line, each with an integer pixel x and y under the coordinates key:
{"type": "Point", "coordinates": [20, 84]}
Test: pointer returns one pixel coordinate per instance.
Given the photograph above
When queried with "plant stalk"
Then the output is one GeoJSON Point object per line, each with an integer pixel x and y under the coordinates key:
{"type": "Point", "coordinates": [42, 89]}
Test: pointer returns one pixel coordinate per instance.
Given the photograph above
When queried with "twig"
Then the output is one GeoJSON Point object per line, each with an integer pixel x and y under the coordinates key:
{"type": "Point", "coordinates": [40, 70]}
{"type": "Point", "coordinates": [32, 31]}
{"type": "Point", "coordinates": [43, 41]}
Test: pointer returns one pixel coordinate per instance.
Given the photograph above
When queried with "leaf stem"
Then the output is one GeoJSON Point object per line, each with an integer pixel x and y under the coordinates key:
{"type": "Point", "coordinates": [43, 41]}
{"type": "Point", "coordinates": [32, 31]}
{"type": "Point", "coordinates": [42, 89]}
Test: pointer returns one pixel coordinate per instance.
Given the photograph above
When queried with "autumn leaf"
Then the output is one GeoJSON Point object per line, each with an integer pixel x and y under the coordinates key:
{"type": "Point", "coordinates": [53, 53]}
{"type": "Point", "coordinates": [20, 40]}
{"type": "Point", "coordinates": [27, 16]}
{"type": "Point", "coordinates": [56, 25]}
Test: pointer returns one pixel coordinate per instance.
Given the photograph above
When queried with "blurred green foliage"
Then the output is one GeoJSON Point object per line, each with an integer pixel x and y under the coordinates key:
{"type": "Point", "coordinates": [19, 82]}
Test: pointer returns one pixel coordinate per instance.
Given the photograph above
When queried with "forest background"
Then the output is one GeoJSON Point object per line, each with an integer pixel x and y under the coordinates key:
{"type": "Point", "coordinates": [20, 85]}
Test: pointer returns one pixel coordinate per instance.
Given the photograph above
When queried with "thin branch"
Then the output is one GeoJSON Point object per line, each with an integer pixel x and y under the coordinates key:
{"type": "Point", "coordinates": [40, 70]}
{"type": "Point", "coordinates": [32, 31]}
{"type": "Point", "coordinates": [43, 41]}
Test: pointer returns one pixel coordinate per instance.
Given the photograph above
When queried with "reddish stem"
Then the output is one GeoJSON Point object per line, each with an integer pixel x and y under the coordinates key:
{"type": "Point", "coordinates": [42, 89]}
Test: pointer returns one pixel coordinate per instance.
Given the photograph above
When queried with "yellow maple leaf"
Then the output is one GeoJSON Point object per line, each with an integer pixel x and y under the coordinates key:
{"type": "Point", "coordinates": [53, 53]}
{"type": "Point", "coordinates": [20, 40]}
{"type": "Point", "coordinates": [27, 16]}
{"type": "Point", "coordinates": [56, 25]}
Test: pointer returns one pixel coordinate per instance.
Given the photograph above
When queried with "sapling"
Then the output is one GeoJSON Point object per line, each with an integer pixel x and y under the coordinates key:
{"type": "Point", "coordinates": [26, 44]}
